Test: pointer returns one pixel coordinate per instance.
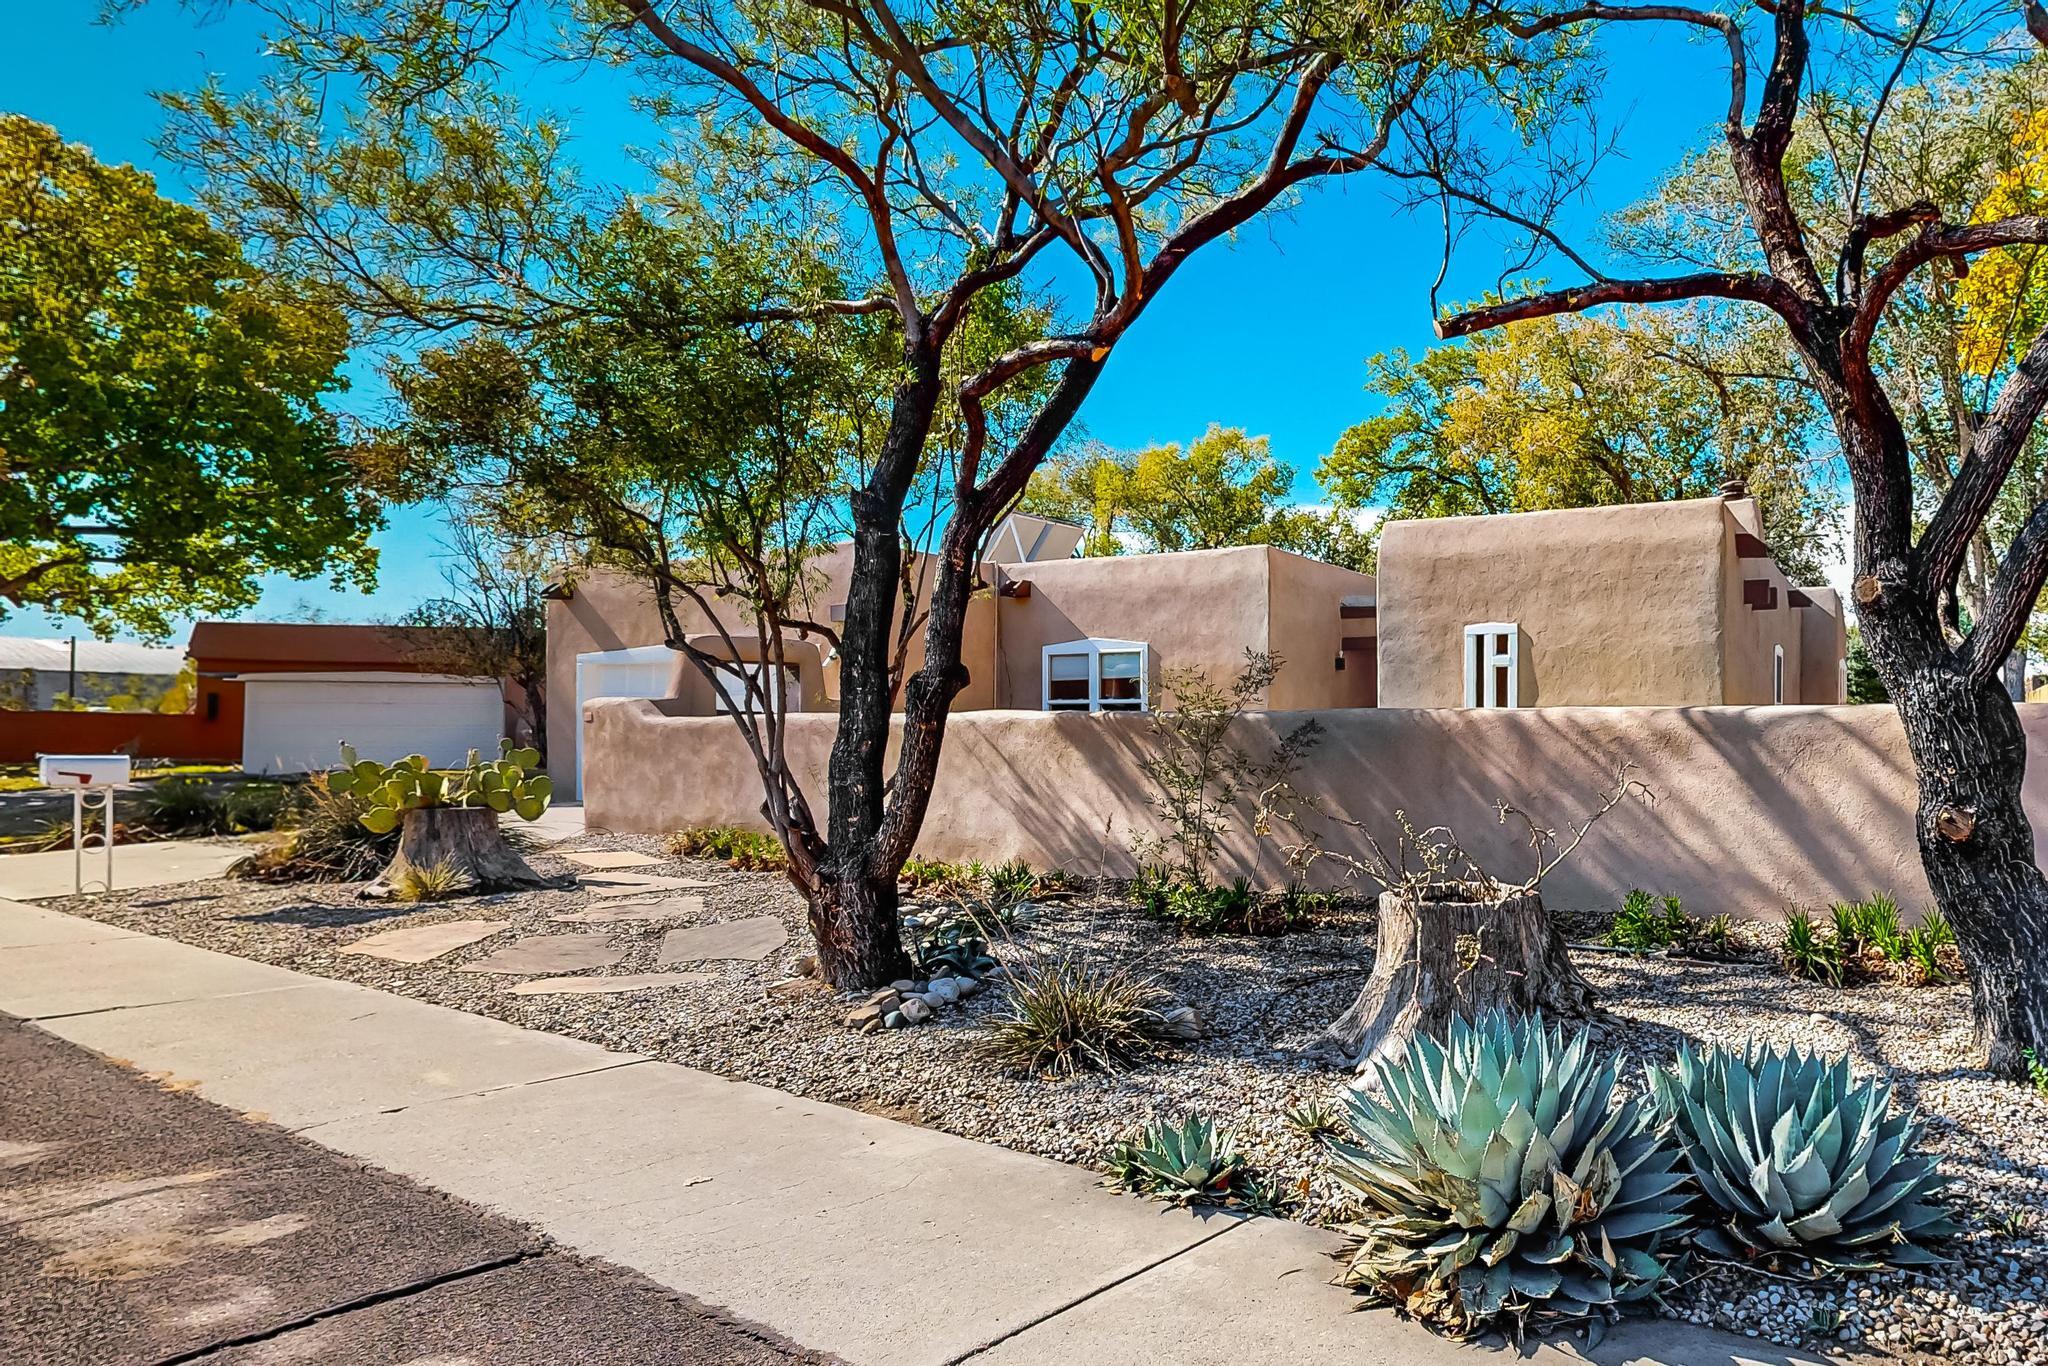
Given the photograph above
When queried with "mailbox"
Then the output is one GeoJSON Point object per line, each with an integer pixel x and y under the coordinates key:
{"type": "Point", "coordinates": [83, 770]}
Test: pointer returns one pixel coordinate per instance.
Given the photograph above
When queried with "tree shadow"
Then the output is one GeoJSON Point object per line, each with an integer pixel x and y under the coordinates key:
{"type": "Point", "coordinates": [315, 916]}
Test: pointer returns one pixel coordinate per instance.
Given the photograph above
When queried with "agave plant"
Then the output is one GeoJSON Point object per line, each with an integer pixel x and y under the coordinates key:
{"type": "Point", "coordinates": [1189, 1163]}
{"type": "Point", "coordinates": [1803, 1159]}
{"type": "Point", "coordinates": [1500, 1179]}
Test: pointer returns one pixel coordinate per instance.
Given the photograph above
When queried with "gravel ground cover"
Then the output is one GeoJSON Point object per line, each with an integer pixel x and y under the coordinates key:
{"type": "Point", "coordinates": [1261, 1002]}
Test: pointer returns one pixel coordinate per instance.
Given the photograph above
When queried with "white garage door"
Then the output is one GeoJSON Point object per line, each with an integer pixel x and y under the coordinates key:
{"type": "Point", "coordinates": [297, 723]}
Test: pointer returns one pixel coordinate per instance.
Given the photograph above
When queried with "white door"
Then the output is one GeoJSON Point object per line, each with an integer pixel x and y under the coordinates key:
{"type": "Point", "coordinates": [298, 724]}
{"type": "Point", "coordinates": [640, 672]}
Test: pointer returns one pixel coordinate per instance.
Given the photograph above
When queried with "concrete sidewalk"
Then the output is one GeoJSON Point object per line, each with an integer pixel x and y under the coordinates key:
{"type": "Point", "coordinates": [849, 1234]}
{"type": "Point", "coordinates": [34, 877]}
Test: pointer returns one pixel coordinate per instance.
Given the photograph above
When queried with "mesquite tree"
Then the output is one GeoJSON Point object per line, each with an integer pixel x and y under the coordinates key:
{"type": "Point", "coordinates": [943, 152]}
{"type": "Point", "coordinates": [1832, 300]}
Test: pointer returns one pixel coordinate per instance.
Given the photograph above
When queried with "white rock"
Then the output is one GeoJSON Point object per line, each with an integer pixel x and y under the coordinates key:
{"type": "Point", "coordinates": [915, 1011]}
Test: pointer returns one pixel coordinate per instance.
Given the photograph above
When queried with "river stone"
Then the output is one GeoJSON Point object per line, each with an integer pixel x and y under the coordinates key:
{"type": "Point", "coordinates": [615, 912]}
{"type": "Point", "coordinates": [915, 1011]}
{"type": "Point", "coordinates": [609, 858]}
{"type": "Point", "coordinates": [592, 986]}
{"type": "Point", "coordinates": [550, 953]}
{"type": "Point", "coordinates": [423, 943]}
{"type": "Point", "coordinates": [752, 940]}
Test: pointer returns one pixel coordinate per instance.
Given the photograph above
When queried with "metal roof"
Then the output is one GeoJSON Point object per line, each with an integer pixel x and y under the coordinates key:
{"type": "Point", "coordinates": [53, 655]}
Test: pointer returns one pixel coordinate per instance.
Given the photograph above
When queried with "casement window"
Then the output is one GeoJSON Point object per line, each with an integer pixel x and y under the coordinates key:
{"type": "Point", "coordinates": [1778, 676]}
{"type": "Point", "coordinates": [731, 693]}
{"type": "Point", "coordinates": [1097, 675]}
{"type": "Point", "coordinates": [1493, 664]}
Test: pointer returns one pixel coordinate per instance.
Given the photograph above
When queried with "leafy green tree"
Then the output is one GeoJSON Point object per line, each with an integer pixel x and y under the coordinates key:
{"type": "Point", "coordinates": [162, 425]}
{"type": "Point", "coordinates": [1224, 488]}
{"type": "Point", "coordinates": [1864, 684]}
{"type": "Point", "coordinates": [939, 159]}
{"type": "Point", "coordinates": [1585, 411]}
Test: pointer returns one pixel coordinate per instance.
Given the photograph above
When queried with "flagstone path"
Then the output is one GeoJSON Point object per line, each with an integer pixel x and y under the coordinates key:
{"type": "Point", "coordinates": [621, 912]}
{"type": "Point", "coordinates": [598, 986]}
{"type": "Point", "coordinates": [750, 940]}
{"type": "Point", "coordinates": [610, 858]}
{"type": "Point", "coordinates": [424, 943]}
{"type": "Point", "coordinates": [550, 953]}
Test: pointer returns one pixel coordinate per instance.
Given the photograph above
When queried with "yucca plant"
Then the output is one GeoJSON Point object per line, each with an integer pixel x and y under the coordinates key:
{"type": "Point", "coordinates": [1067, 1015]}
{"type": "Point", "coordinates": [1190, 1163]}
{"type": "Point", "coordinates": [1800, 1158]}
{"type": "Point", "coordinates": [433, 882]}
{"type": "Point", "coordinates": [1647, 924]}
{"type": "Point", "coordinates": [1500, 1179]}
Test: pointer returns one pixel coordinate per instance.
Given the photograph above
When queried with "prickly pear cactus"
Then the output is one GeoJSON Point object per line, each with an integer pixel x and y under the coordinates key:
{"type": "Point", "coordinates": [504, 784]}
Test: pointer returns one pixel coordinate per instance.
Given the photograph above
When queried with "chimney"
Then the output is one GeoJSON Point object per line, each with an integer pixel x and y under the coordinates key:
{"type": "Point", "coordinates": [1734, 488]}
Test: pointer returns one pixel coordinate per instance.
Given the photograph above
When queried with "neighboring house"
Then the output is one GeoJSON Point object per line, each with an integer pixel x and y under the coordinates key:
{"type": "Point", "coordinates": [297, 691]}
{"type": "Point", "coordinates": [36, 672]}
{"type": "Point", "coordinates": [1648, 604]}
{"type": "Point", "coordinates": [1047, 633]}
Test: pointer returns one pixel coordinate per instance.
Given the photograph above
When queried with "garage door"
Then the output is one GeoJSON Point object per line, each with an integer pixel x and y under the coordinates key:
{"type": "Point", "coordinates": [297, 725]}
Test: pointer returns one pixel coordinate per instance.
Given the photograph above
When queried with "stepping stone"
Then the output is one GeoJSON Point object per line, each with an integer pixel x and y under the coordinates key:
{"type": "Point", "coordinates": [591, 986]}
{"type": "Point", "coordinates": [751, 940]}
{"type": "Point", "coordinates": [610, 858]}
{"type": "Point", "coordinates": [541, 953]}
{"type": "Point", "coordinates": [423, 943]}
{"type": "Point", "coordinates": [616, 912]}
{"type": "Point", "coordinates": [622, 884]}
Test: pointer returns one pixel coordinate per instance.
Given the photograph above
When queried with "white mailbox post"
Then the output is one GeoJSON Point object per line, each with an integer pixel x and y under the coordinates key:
{"type": "Point", "coordinates": [92, 779]}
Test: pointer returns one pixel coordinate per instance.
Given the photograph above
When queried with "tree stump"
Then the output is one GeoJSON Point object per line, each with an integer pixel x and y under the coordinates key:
{"type": "Point", "coordinates": [465, 837]}
{"type": "Point", "coordinates": [1457, 953]}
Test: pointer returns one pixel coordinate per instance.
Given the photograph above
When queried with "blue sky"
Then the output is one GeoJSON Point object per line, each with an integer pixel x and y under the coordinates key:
{"type": "Point", "coordinates": [1270, 332]}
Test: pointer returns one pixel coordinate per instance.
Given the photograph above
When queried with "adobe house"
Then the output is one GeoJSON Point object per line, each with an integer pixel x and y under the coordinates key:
{"type": "Point", "coordinates": [1648, 604]}
{"type": "Point", "coordinates": [1047, 632]}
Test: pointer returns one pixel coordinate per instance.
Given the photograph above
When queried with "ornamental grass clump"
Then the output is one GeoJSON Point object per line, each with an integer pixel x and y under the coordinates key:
{"type": "Point", "coordinates": [1500, 1181]}
{"type": "Point", "coordinates": [1069, 1015]}
{"type": "Point", "coordinates": [1801, 1159]}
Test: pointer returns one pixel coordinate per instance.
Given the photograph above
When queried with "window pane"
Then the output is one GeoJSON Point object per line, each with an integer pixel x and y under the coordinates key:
{"type": "Point", "coordinates": [1122, 664]}
{"type": "Point", "coordinates": [1067, 690]}
{"type": "Point", "coordinates": [1055, 704]}
{"type": "Point", "coordinates": [1068, 666]}
{"type": "Point", "coordinates": [1119, 690]}
{"type": "Point", "coordinates": [1133, 704]}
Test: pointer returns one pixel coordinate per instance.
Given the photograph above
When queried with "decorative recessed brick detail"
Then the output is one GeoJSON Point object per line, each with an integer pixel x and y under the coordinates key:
{"type": "Point", "coordinates": [1749, 547]}
{"type": "Point", "coordinates": [1358, 642]}
{"type": "Point", "coordinates": [1759, 595]}
{"type": "Point", "coordinates": [1795, 598]}
{"type": "Point", "coordinates": [1358, 611]}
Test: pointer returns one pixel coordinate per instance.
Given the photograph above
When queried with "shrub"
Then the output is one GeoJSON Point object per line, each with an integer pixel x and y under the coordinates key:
{"type": "Point", "coordinates": [1869, 925]}
{"type": "Point", "coordinates": [935, 875]}
{"type": "Point", "coordinates": [255, 806]}
{"type": "Point", "coordinates": [322, 838]}
{"type": "Point", "coordinates": [2037, 1071]}
{"type": "Point", "coordinates": [951, 945]}
{"type": "Point", "coordinates": [1647, 923]}
{"type": "Point", "coordinates": [1193, 908]}
{"type": "Point", "coordinates": [746, 850]}
{"type": "Point", "coordinates": [185, 806]}
{"type": "Point", "coordinates": [1069, 1015]}
{"type": "Point", "coordinates": [1009, 883]}
{"type": "Point", "coordinates": [1191, 1163]}
{"type": "Point", "coordinates": [435, 882]}
{"type": "Point", "coordinates": [1808, 954]}
{"type": "Point", "coordinates": [1499, 1180]}
{"type": "Point", "coordinates": [1802, 1159]}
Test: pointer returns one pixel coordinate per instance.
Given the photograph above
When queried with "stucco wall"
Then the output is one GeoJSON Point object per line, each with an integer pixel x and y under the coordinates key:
{"type": "Point", "coordinates": [1197, 609]}
{"type": "Point", "coordinates": [1756, 807]}
{"type": "Point", "coordinates": [1823, 646]}
{"type": "Point", "coordinates": [1617, 605]}
{"type": "Point", "coordinates": [1307, 629]}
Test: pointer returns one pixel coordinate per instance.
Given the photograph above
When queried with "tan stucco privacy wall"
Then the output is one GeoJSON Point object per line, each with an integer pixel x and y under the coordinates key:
{"type": "Point", "coordinates": [1757, 808]}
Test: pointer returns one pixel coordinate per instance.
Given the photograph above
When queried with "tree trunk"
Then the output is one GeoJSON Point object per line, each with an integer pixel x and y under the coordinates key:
{"type": "Point", "coordinates": [1976, 844]}
{"type": "Point", "coordinates": [1456, 956]}
{"type": "Point", "coordinates": [466, 838]}
{"type": "Point", "coordinates": [853, 920]}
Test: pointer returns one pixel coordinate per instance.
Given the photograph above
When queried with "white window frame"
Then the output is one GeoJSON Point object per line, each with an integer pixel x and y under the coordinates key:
{"type": "Point", "coordinates": [1094, 648]}
{"type": "Point", "coordinates": [638, 654]}
{"type": "Point", "coordinates": [1488, 645]}
{"type": "Point", "coordinates": [1778, 676]}
{"type": "Point", "coordinates": [729, 693]}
